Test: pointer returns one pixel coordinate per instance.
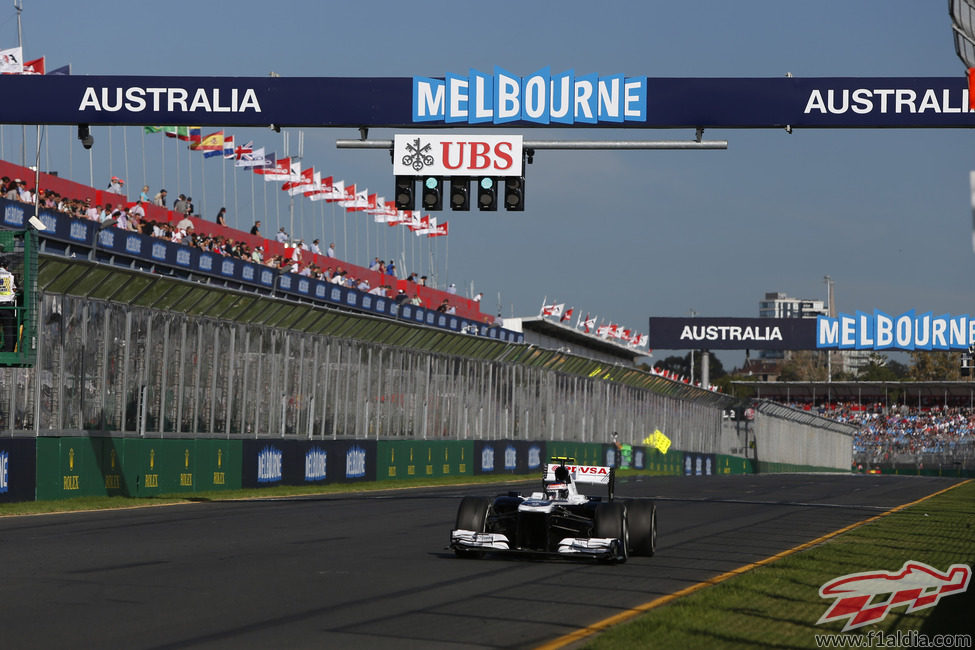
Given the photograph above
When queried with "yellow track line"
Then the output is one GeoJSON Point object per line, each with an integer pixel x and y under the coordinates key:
{"type": "Point", "coordinates": [589, 630]}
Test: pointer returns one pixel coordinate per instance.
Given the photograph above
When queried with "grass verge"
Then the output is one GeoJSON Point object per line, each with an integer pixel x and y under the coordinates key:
{"type": "Point", "coordinates": [778, 605]}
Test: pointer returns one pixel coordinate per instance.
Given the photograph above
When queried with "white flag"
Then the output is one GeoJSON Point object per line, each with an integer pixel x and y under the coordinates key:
{"type": "Point", "coordinates": [11, 61]}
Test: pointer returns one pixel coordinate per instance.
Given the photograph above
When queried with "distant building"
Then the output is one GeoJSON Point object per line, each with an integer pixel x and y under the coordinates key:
{"type": "Point", "coordinates": [780, 305]}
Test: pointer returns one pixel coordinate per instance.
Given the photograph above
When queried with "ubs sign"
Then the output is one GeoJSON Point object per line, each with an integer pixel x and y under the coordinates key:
{"type": "Point", "coordinates": [457, 155]}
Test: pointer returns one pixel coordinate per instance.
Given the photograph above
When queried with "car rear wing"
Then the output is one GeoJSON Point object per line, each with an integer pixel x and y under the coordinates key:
{"type": "Point", "coordinates": [595, 474]}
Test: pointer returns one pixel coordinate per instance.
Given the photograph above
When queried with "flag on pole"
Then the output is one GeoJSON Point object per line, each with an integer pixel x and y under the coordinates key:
{"type": "Point", "coordinates": [64, 70]}
{"type": "Point", "coordinates": [440, 230]}
{"type": "Point", "coordinates": [553, 310]}
{"type": "Point", "coordinates": [150, 129]}
{"type": "Point", "coordinates": [567, 315]}
{"type": "Point", "coordinates": [11, 61]}
{"type": "Point", "coordinates": [245, 149]}
{"type": "Point", "coordinates": [251, 159]}
{"type": "Point", "coordinates": [211, 143]}
{"type": "Point", "coordinates": [228, 147]}
{"type": "Point", "coordinates": [34, 67]}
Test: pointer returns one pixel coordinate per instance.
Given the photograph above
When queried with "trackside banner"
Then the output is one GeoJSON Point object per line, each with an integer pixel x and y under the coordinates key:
{"type": "Point", "coordinates": [859, 331]}
{"type": "Point", "coordinates": [732, 333]}
{"type": "Point", "coordinates": [543, 98]}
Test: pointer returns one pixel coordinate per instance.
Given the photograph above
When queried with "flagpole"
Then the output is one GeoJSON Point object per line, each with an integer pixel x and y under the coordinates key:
{"type": "Point", "coordinates": [189, 168]}
{"type": "Point", "coordinates": [19, 6]}
{"type": "Point", "coordinates": [178, 179]}
{"type": "Point", "coordinates": [125, 147]}
{"type": "Point", "coordinates": [236, 208]}
{"type": "Point", "coordinates": [203, 190]}
{"type": "Point", "coordinates": [144, 175]}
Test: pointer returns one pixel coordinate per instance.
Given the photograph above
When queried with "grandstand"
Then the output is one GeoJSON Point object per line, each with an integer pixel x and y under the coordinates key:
{"type": "Point", "coordinates": [73, 237]}
{"type": "Point", "coordinates": [914, 427]}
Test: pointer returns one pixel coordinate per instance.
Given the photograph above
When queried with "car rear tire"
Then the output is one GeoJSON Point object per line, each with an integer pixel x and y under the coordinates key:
{"type": "Point", "coordinates": [472, 515]}
{"type": "Point", "coordinates": [609, 520]}
{"type": "Point", "coordinates": [641, 518]}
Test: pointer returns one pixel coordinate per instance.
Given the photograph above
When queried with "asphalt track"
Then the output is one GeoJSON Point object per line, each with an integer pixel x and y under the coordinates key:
{"type": "Point", "coordinates": [372, 570]}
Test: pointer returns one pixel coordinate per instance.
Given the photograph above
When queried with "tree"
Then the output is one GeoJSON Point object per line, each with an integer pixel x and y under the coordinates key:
{"type": "Point", "coordinates": [935, 365]}
{"type": "Point", "coordinates": [804, 365]}
{"type": "Point", "coordinates": [881, 368]}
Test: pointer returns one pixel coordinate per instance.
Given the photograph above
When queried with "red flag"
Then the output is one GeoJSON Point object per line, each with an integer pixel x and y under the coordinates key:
{"type": "Point", "coordinates": [567, 315]}
{"type": "Point", "coordinates": [34, 67]}
{"type": "Point", "coordinates": [305, 178]}
{"type": "Point", "coordinates": [971, 88]}
{"type": "Point", "coordinates": [441, 230]}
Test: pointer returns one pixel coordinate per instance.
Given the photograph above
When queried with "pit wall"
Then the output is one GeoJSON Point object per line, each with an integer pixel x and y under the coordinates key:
{"type": "Point", "coordinates": [50, 468]}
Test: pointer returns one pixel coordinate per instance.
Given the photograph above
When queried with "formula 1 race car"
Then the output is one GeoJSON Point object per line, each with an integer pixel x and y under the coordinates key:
{"type": "Point", "coordinates": [558, 520]}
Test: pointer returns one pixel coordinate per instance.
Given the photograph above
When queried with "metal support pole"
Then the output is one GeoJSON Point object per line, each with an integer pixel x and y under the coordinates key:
{"type": "Point", "coordinates": [584, 145]}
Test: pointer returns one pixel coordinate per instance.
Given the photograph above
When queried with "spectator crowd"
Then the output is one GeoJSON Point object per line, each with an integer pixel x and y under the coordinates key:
{"type": "Point", "coordinates": [306, 260]}
{"type": "Point", "coordinates": [900, 430]}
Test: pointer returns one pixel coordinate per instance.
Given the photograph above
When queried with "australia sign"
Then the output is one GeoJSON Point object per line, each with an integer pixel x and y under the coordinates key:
{"type": "Point", "coordinates": [543, 98]}
{"type": "Point", "coordinates": [861, 331]}
{"type": "Point", "coordinates": [732, 333]}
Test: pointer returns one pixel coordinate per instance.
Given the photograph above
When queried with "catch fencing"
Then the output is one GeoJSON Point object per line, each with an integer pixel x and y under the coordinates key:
{"type": "Point", "coordinates": [117, 368]}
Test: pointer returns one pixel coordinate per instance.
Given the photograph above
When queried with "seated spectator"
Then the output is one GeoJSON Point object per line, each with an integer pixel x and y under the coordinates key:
{"type": "Point", "coordinates": [115, 185]}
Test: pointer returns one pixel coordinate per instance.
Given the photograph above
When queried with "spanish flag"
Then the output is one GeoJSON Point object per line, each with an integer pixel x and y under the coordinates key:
{"type": "Point", "coordinates": [212, 142]}
{"type": "Point", "coordinates": [658, 441]}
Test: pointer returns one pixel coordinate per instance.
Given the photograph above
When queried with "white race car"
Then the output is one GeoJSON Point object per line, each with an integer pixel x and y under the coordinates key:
{"type": "Point", "coordinates": [558, 520]}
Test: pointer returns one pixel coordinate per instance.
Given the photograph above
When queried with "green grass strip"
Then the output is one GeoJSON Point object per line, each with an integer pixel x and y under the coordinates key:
{"type": "Point", "coordinates": [776, 604]}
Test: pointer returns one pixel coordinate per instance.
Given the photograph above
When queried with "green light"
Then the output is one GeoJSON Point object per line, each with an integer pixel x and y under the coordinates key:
{"type": "Point", "coordinates": [430, 182]}
{"type": "Point", "coordinates": [487, 182]}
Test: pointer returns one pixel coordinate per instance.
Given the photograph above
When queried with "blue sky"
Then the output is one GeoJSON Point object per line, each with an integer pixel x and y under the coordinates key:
{"type": "Point", "coordinates": [625, 235]}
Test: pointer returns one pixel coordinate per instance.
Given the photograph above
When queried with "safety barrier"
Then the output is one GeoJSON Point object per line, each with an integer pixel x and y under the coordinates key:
{"type": "Point", "coordinates": [62, 467]}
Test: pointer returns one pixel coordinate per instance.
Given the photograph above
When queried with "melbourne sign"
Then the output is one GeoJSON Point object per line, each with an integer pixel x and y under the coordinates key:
{"type": "Point", "coordinates": [457, 155]}
{"type": "Point", "coordinates": [908, 331]}
{"type": "Point", "coordinates": [732, 333]}
{"type": "Point", "coordinates": [540, 98]}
